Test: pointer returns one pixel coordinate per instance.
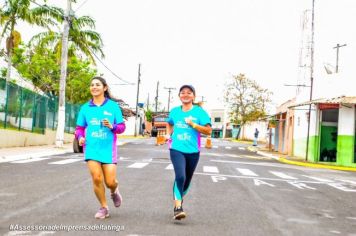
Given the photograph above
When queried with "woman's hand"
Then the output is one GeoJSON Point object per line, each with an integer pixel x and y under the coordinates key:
{"type": "Point", "coordinates": [81, 141]}
{"type": "Point", "coordinates": [189, 121]}
{"type": "Point", "coordinates": [107, 123]}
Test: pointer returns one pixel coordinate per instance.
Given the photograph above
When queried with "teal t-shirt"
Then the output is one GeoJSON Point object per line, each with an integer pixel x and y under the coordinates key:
{"type": "Point", "coordinates": [185, 138]}
{"type": "Point", "coordinates": [100, 141]}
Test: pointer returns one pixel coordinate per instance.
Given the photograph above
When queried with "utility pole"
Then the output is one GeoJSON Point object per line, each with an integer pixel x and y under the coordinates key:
{"type": "Point", "coordinates": [169, 95]}
{"type": "Point", "coordinates": [138, 91]}
{"type": "Point", "coordinates": [311, 78]}
{"type": "Point", "coordinates": [62, 81]}
{"type": "Point", "coordinates": [337, 56]}
{"type": "Point", "coordinates": [148, 101]}
{"type": "Point", "coordinates": [156, 98]}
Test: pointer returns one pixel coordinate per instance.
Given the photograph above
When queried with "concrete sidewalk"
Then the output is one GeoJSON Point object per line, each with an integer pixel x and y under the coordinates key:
{"type": "Point", "coordinates": [23, 153]}
{"type": "Point", "coordinates": [261, 150]}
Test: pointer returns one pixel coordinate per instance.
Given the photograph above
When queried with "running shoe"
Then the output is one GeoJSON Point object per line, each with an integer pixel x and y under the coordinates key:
{"type": "Point", "coordinates": [102, 213]}
{"type": "Point", "coordinates": [179, 213]}
{"type": "Point", "coordinates": [116, 197]}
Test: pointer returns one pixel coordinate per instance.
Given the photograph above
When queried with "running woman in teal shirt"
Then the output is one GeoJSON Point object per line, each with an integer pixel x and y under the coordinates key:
{"type": "Point", "coordinates": [99, 121]}
{"type": "Point", "coordinates": [185, 124]}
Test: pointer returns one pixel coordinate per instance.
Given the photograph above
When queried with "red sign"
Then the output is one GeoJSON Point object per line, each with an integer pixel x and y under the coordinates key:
{"type": "Point", "coordinates": [326, 106]}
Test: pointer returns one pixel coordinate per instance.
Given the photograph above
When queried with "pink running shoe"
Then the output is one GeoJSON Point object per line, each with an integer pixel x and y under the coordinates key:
{"type": "Point", "coordinates": [116, 197]}
{"type": "Point", "coordinates": [102, 213]}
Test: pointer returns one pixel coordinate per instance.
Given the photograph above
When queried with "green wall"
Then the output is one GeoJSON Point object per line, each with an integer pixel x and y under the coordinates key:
{"type": "Point", "coordinates": [345, 150]}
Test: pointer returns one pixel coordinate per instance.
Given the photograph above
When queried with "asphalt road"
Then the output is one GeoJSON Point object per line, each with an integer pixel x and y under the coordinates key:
{"type": "Point", "coordinates": [234, 192]}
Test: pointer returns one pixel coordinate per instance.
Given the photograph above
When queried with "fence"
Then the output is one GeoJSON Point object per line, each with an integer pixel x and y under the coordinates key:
{"type": "Point", "coordinates": [22, 109]}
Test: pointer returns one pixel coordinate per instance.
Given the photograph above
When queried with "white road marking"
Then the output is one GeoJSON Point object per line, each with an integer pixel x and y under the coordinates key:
{"type": "Point", "coordinates": [138, 165]}
{"type": "Point", "coordinates": [341, 187]}
{"type": "Point", "coordinates": [257, 164]}
{"type": "Point", "coordinates": [212, 154]}
{"type": "Point", "coordinates": [227, 147]}
{"type": "Point", "coordinates": [29, 160]}
{"type": "Point", "coordinates": [317, 178]}
{"type": "Point", "coordinates": [67, 161]}
{"type": "Point", "coordinates": [260, 182]}
{"type": "Point", "coordinates": [210, 169]}
{"type": "Point", "coordinates": [218, 178]}
{"type": "Point", "coordinates": [300, 185]}
{"type": "Point", "coordinates": [347, 181]}
{"type": "Point", "coordinates": [215, 147]}
{"type": "Point", "coordinates": [260, 178]}
{"type": "Point", "coordinates": [246, 172]}
{"type": "Point", "coordinates": [169, 167]}
{"type": "Point", "coordinates": [242, 148]}
{"type": "Point", "coordinates": [281, 175]}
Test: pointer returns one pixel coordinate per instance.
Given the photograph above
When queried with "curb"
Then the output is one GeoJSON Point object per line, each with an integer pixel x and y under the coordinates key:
{"type": "Point", "coordinates": [31, 156]}
{"type": "Point", "coordinates": [312, 165]}
{"type": "Point", "coordinates": [299, 163]}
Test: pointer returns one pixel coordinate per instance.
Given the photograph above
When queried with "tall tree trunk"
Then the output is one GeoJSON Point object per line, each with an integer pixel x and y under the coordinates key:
{"type": "Point", "coordinates": [62, 82]}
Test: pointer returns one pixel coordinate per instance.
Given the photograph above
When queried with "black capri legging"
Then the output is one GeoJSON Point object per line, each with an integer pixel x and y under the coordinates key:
{"type": "Point", "coordinates": [184, 166]}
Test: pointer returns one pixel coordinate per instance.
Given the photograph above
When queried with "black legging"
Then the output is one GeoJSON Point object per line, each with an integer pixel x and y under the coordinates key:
{"type": "Point", "coordinates": [184, 166]}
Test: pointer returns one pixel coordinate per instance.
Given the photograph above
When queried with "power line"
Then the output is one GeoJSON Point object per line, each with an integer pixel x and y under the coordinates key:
{"type": "Point", "coordinates": [113, 73]}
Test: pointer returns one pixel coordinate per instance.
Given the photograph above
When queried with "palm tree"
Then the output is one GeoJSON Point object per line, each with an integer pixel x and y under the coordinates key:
{"type": "Point", "coordinates": [82, 39]}
{"type": "Point", "coordinates": [15, 11]}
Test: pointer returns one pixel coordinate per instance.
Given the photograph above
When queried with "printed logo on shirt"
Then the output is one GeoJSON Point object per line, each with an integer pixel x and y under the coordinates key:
{"type": "Point", "coordinates": [95, 121]}
{"type": "Point", "coordinates": [191, 118]}
{"type": "Point", "coordinates": [107, 113]}
{"type": "Point", "coordinates": [99, 134]}
{"type": "Point", "coordinates": [181, 125]}
{"type": "Point", "coordinates": [184, 137]}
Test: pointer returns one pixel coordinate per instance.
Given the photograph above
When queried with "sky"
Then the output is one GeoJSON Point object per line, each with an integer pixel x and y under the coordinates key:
{"type": "Point", "coordinates": [205, 42]}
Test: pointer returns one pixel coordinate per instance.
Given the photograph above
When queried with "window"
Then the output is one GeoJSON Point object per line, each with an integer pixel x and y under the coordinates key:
{"type": "Point", "coordinates": [217, 119]}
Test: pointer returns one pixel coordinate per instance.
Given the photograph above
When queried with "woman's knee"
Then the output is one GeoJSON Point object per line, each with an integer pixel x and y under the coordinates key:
{"type": "Point", "coordinates": [97, 179]}
{"type": "Point", "coordinates": [111, 183]}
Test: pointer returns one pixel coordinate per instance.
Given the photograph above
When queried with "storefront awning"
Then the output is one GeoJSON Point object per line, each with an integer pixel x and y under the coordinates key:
{"type": "Point", "coordinates": [329, 103]}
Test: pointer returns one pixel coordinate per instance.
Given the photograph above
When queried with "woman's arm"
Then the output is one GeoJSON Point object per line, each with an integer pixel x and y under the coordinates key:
{"type": "Point", "coordinates": [200, 128]}
{"type": "Point", "coordinates": [79, 132]}
{"type": "Point", "coordinates": [119, 128]}
{"type": "Point", "coordinates": [203, 129]}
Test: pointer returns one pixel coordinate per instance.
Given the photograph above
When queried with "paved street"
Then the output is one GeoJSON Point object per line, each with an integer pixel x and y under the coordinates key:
{"type": "Point", "coordinates": [234, 192]}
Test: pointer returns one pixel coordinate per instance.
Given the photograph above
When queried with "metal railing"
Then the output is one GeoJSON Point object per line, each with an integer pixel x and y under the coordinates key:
{"type": "Point", "coordinates": [25, 110]}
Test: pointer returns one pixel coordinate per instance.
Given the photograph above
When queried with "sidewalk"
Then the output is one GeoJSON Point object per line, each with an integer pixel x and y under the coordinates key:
{"type": "Point", "coordinates": [23, 153]}
{"type": "Point", "coordinates": [262, 150]}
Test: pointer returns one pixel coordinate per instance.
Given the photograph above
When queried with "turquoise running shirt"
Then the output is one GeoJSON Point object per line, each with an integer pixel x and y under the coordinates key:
{"type": "Point", "coordinates": [100, 141]}
{"type": "Point", "coordinates": [185, 138]}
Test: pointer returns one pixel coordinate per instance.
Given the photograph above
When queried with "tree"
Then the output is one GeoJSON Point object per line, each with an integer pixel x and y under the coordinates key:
{"type": "Point", "coordinates": [15, 11]}
{"type": "Point", "coordinates": [79, 37]}
{"type": "Point", "coordinates": [40, 65]}
{"type": "Point", "coordinates": [149, 114]}
{"type": "Point", "coordinates": [246, 100]}
{"type": "Point", "coordinates": [82, 39]}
